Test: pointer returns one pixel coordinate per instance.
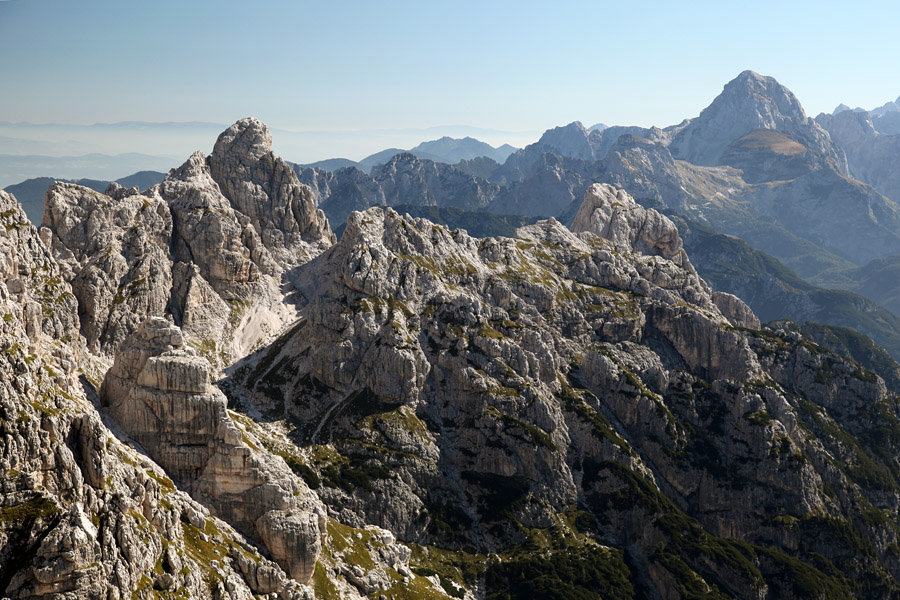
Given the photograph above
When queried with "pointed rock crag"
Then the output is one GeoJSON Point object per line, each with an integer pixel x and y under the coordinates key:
{"type": "Point", "coordinates": [209, 247]}
{"type": "Point", "coordinates": [266, 190]}
{"type": "Point", "coordinates": [42, 302]}
{"type": "Point", "coordinates": [615, 216]}
{"type": "Point", "coordinates": [748, 103]}
{"type": "Point", "coordinates": [160, 394]}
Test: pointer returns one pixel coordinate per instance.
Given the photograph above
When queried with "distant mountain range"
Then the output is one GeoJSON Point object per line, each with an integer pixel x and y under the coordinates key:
{"type": "Point", "coordinates": [817, 198]}
{"type": "Point", "coordinates": [752, 165]}
{"type": "Point", "coordinates": [446, 150]}
{"type": "Point", "coordinates": [174, 140]}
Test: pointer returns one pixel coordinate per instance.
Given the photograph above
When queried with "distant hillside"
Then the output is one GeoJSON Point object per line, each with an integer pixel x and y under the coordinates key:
{"type": "Point", "coordinates": [16, 168]}
{"type": "Point", "coordinates": [878, 280]}
{"type": "Point", "coordinates": [775, 292]}
{"type": "Point", "coordinates": [332, 164]}
{"type": "Point", "coordinates": [454, 150]}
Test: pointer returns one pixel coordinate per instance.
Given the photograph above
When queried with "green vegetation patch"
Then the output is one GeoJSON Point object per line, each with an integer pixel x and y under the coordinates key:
{"type": "Point", "coordinates": [28, 512]}
{"type": "Point", "coordinates": [537, 435]}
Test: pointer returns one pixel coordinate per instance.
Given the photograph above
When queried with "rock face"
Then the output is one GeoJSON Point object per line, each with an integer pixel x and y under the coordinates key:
{"type": "Point", "coordinates": [340, 192]}
{"type": "Point", "coordinates": [83, 515]}
{"type": "Point", "coordinates": [263, 188]}
{"type": "Point", "coordinates": [748, 103]}
{"type": "Point", "coordinates": [871, 153]}
{"type": "Point", "coordinates": [550, 185]}
{"type": "Point", "coordinates": [616, 217]}
{"type": "Point", "coordinates": [160, 394]}
{"type": "Point", "coordinates": [38, 297]}
{"type": "Point", "coordinates": [465, 392]}
{"type": "Point", "coordinates": [405, 179]}
{"type": "Point", "coordinates": [208, 246]}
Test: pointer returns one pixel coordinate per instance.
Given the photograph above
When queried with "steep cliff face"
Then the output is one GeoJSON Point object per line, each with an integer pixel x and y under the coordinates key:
{"type": "Point", "coordinates": [83, 514]}
{"type": "Point", "coordinates": [407, 179]}
{"type": "Point", "coordinates": [340, 192]}
{"type": "Point", "coordinates": [871, 153]}
{"type": "Point", "coordinates": [404, 179]}
{"type": "Point", "coordinates": [264, 189]}
{"type": "Point", "coordinates": [472, 394]}
{"type": "Point", "coordinates": [748, 103]}
{"type": "Point", "coordinates": [38, 295]}
{"type": "Point", "coordinates": [209, 247]}
{"type": "Point", "coordinates": [160, 394]}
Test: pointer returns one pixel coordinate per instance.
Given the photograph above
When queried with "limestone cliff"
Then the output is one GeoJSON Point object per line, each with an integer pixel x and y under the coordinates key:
{"type": "Point", "coordinates": [83, 514]}
{"type": "Point", "coordinates": [160, 394]}
{"type": "Point", "coordinates": [471, 394]}
{"type": "Point", "coordinates": [209, 246]}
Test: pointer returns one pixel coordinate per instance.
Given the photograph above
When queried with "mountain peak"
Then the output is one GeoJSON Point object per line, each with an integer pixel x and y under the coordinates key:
{"type": "Point", "coordinates": [750, 102]}
{"type": "Point", "coordinates": [768, 87]}
{"type": "Point", "coordinates": [569, 140]}
{"type": "Point", "coordinates": [248, 137]}
{"type": "Point", "coordinates": [749, 75]}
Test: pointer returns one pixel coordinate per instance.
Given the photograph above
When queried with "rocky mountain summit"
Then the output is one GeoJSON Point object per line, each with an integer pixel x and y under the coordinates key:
{"type": "Point", "coordinates": [412, 412]}
{"type": "Point", "coordinates": [210, 246]}
{"type": "Point", "coordinates": [160, 394]}
{"type": "Point", "coordinates": [749, 103]}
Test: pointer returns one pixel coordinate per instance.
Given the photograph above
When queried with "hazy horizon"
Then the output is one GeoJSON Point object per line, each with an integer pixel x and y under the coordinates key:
{"type": "Point", "coordinates": [348, 79]}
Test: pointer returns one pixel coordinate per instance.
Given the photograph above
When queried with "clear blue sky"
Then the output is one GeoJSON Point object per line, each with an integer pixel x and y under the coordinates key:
{"type": "Point", "coordinates": [369, 65]}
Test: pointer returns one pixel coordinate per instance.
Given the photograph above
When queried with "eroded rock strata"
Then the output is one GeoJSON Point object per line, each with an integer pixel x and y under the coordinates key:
{"type": "Point", "coordinates": [161, 395]}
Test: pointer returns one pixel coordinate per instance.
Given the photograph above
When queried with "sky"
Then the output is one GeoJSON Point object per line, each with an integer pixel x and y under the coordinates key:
{"type": "Point", "coordinates": [514, 68]}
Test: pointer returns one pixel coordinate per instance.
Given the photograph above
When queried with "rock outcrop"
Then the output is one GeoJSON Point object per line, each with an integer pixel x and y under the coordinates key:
{"type": "Point", "coordinates": [39, 298]}
{"type": "Point", "coordinates": [264, 189]}
{"type": "Point", "coordinates": [160, 394]}
{"type": "Point", "coordinates": [209, 247]}
{"type": "Point", "coordinates": [82, 514]}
